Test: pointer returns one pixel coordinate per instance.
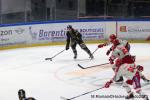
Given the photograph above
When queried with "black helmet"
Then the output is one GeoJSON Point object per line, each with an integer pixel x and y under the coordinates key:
{"type": "Point", "coordinates": [21, 94]}
{"type": "Point", "coordinates": [69, 26]}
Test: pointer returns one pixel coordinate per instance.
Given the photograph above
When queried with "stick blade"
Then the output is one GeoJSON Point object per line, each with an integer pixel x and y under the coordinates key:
{"type": "Point", "coordinates": [81, 66]}
{"type": "Point", "coordinates": [48, 59]}
{"type": "Point", "coordinates": [64, 98]}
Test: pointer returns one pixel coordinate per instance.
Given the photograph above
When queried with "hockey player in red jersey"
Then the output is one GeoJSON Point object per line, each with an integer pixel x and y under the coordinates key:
{"type": "Point", "coordinates": [121, 55]}
{"type": "Point", "coordinates": [125, 67]}
{"type": "Point", "coordinates": [125, 48]}
{"type": "Point", "coordinates": [132, 78]}
{"type": "Point", "coordinates": [114, 37]}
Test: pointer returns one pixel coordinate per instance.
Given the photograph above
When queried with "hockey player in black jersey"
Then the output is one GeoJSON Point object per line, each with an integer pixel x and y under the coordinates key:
{"type": "Point", "coordinates": [76, 38]}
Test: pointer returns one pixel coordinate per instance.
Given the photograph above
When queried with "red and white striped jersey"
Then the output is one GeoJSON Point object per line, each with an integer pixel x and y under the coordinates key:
{"type": "Point", "coordinates": [122, 42]}
{"type": "Point", "coordinates": [126, 70]}
{"type": "Point", "coordinates": [119, 52]}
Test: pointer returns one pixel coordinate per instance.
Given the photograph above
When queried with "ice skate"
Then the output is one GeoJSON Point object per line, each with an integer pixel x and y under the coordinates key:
{"type": "Point", "coordinates": [75, 57]}
{"type": "Point", "coordinates": [145, 97]}
{"type": "Point", "coordinates": [145, 79]}
{"type": "Point", "coordinates": [91, 56]}
{"type": "Point", "coordinates": [130, 96]}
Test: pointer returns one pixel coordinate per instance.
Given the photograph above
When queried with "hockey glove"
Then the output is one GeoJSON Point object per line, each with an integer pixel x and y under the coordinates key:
{"type": "Point", "coordinates": [107, 84]}
{"type": "Point", "coordinates": [67, 48]}
{"type": "Point", "coordinates": [100, 45]}
{"type": "Point", "coordinates": [111, 61]}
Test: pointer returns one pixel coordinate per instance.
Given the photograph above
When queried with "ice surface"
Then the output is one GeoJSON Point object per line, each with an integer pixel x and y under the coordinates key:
{"type": "Point", "coordinates": [49, 80]}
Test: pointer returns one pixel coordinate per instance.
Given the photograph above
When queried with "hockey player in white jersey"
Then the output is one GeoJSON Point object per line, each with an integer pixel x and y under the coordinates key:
{"type": "Point", "coordinates": [132, 78]}
{"type": "Point", "coordinates": [126, 67]}
{"type": "Point", "coordinates": [126, 47]}
{"type": "Point", "coordinates": [121, 55]}
{"type": "Point", "coordinates": [114, 37]}
{"type": "Point", "coordinates": [126, 58]}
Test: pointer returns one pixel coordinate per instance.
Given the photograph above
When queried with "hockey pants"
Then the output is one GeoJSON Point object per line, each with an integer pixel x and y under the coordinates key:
{"type": "Point", "coordinates": [136, 84]}
{"type": "Point", "coordinates": [82, 45]}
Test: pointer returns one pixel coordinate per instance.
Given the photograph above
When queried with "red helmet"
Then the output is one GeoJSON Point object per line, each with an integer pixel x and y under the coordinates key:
{"type": "Point", "coordinates": [112, 37]}
{"type": "Point", "coordinates": [115, 42]}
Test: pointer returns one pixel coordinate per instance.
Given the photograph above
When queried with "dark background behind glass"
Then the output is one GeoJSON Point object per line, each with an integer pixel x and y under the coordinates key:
{"type": "Point", "coordinates": [16, 11]}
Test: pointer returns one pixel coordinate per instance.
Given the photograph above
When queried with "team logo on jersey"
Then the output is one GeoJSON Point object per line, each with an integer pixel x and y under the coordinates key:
{"type": "Point", "coordinates": [123, 28]}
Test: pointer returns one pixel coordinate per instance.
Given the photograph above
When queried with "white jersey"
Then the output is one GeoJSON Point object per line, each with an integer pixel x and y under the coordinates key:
{"type": "Point", "coordinates": [122, 42]}
{"type": "Point", "coordinates": [119, 52]}
{"type": "Point", "coordinates": [126, 70]}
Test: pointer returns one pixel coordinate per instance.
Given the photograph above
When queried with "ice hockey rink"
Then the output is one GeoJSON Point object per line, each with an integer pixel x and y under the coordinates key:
{"type": "Point", "coordinates": [26, 68]}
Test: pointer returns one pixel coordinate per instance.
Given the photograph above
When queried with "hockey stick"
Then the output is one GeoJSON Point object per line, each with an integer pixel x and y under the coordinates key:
{"type": "Point", "coordinates": [95, 50]}
{"type": "Point", "coordinates": [55, 55]}
{"type": "Point", "coordinates": [81, 94]}
{"type": "Point", "coordinates": [92, 66]}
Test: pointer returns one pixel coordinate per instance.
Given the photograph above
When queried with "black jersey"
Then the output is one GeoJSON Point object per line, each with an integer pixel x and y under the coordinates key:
{"type": "Point", "coordinates": [74, 36]}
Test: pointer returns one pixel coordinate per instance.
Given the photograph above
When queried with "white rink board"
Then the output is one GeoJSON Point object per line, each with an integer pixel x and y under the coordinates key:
{"type": "Point", "coordinates": [13, 35]}
{"type": "Point", "coordinates": [43, 33]}
{"type": "Point", "coordinates": [134, 30]}
{"type": "Point", "coordinates": [56, 31]}
{"type": "Point", "coordinates": [51, 32]}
